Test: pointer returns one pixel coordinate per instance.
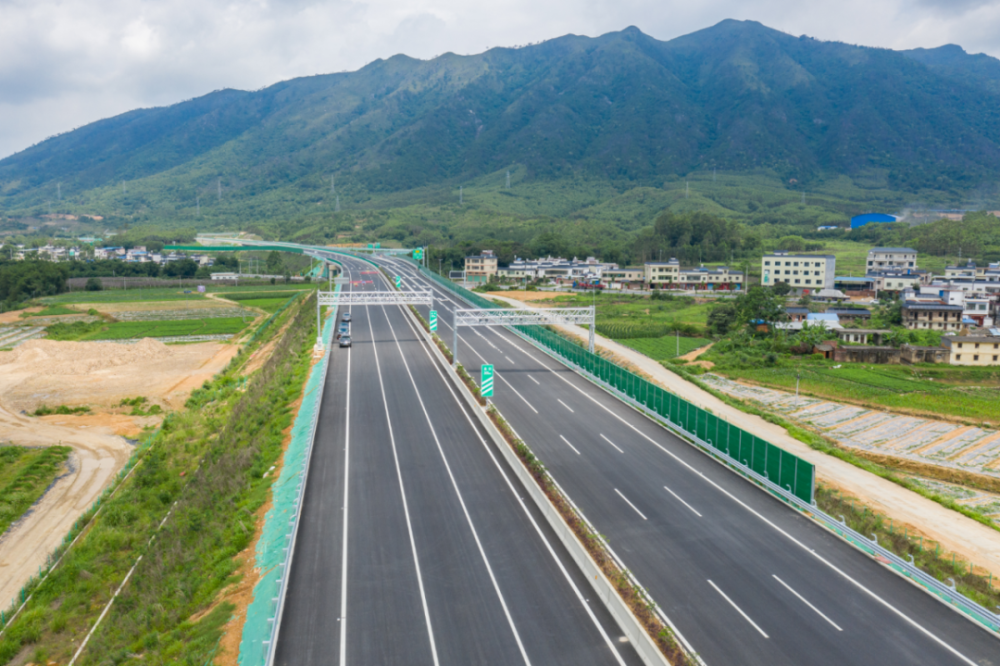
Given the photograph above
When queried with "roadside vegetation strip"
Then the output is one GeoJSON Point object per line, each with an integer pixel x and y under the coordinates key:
{"type": "Point", "coordinates": [25, 475]}
{"type": "Point", "coordinates": [210, 460]}
{"type": "Point", "coordinates": [666, 347]}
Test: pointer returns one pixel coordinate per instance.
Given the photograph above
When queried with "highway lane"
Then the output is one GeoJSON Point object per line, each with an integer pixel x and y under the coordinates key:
{"type": "Point", "coordinates": [745, 579]}
{"type": "Point", "coordinates": [446, 563]}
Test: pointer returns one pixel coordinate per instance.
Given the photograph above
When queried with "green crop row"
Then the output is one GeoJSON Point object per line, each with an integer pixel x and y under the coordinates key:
{"type": "Point", "coordinates": [24, 476]}
{"type": "Point", "coordinates": [204, 473]}
{"type": "Point", "coordinates": [662, 349]}
{"type": "Point", "coordinates": [128, 330]}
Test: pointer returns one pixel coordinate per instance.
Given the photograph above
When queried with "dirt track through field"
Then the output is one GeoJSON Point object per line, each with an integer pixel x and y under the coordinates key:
{"type": "Point", "coordinates": [98, 375]}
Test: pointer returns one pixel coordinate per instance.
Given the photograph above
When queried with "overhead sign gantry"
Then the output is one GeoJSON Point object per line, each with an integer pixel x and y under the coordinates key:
{"type": "Point", "coordinates": [521, 317]}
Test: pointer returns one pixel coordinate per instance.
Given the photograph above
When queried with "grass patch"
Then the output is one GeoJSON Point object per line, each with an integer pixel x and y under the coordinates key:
{"type": "Point", "coordinates": [61, 409]}
{"type": "Point", "coordinates": [52, 311]}
{"type": "Point", "coordinates": [966, 394]}
{"type": "Point", "coordinates": [128, 330]}
{"type": "Point", "coordinates": [664, 348]}
{"type": "Point", "coordinates": [621, 316]}
{"type": "Point", "coordinates": [270, 305]}
{"type": "Point", "coordinates": [25, 474]}
{"type": "Point", "coordinates": [204, 472]}
{"type": "Point", "coordinates": [123, 296]}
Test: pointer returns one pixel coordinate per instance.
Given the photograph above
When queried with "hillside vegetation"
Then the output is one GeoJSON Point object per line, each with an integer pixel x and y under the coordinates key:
{"type": "Point", "coordinates": [604, 129]}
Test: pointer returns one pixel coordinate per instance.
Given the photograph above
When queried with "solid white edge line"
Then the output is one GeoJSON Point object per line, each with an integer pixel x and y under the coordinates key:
{"type": "Point", "coordinates": [612, 443]}
{"type": "Point", "coordinates": [569, 445]}
{"type": "Point", "coordinates": [738, 609]}
{"type": "Point", "coordinates": [402, 490]}
{"type": "Point", "coordinates": [803, 600]}
{"type": "Point", "coordinates": [347, 478]}
{"type": "Point", "coordinates": [630, 504]}
{"type": "Point", "coordinates": [458, 493]}
{"type": "Point", "coordinates": [524, 507]}
{"type": "Point", "coordinates": [565, 405]}
{"type": "Point", "coordinates": [798, 543]}
{"type": "Point", "coordinates": [678, 498]}
{"type": "Point", "coordinates": [534, 380]}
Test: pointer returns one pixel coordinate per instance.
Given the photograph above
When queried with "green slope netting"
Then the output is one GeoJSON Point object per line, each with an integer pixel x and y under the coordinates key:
{"type": "Point", "coordinates": [277, 532]}
{"type": "Point", "coordinates": [782, 468]}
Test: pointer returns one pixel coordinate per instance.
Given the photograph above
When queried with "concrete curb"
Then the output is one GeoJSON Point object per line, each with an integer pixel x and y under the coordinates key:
{"type": "Point", "coordinates": [605, 590]}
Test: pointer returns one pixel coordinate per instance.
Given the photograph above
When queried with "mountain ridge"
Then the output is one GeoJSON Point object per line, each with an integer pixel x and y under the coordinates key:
{"type": "Point", "coordinates": [623, 106]}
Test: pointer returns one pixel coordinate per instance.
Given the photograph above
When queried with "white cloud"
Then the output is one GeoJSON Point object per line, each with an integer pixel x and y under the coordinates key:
{"type": "Point", "coordinates": [64, 63]}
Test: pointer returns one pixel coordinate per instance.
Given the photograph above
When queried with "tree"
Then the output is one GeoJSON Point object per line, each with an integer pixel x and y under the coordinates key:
{"type": "Point", "coordinates": [275, 266]}
{"type": "Point", "coordinates": [782, 288]}
{"type": "Point", "coordinates": [182, 268]}
{"type": "Point", "coordinates": [759, 304]}
{"type": "Point", "coordinates": [721, 318]}
{"type": "Point", "coordinates": [94, 284]}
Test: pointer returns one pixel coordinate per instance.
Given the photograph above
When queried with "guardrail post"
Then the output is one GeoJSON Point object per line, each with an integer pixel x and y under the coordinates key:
{"type": "Point", "coordinates": [454, 345]}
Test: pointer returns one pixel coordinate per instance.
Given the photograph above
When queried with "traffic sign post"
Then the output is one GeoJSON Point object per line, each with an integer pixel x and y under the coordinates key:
{"type": "Point", "coordinates": [399, 282]}
{"type": "Point", "coordinates": [486, 381]}
{"type": "Point", "coordinates": [434, 321]}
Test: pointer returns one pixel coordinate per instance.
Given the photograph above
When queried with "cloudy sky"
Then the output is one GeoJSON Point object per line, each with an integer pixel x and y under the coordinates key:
{"type": "Point", "coordinates": [65, 63]}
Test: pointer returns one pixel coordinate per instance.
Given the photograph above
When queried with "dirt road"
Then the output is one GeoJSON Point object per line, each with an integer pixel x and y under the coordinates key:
{"type": "Point", "coordinates": [98, 375]}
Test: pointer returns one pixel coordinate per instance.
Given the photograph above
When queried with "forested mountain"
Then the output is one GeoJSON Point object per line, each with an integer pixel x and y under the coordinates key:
{"type": "Point", "coordinates": [624, 108]}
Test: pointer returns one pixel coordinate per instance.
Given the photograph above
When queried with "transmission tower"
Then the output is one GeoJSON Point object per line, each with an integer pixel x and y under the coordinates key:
{"type": "Point", "coordinates": [59, 191]}
{"type": "Point", "coordinates": [803, 198]}
{"type": "Point", "coordinates": [219, 183]}
{"type": "Point", "coordinates": [197, 206]}
{"type": "Point", "coordinates": [508, 180]}
{"type": "Point", "coordinates": [333, 188]}
{"type": "Point", "coordinates": [687, 189]}
{"type": "Point", "coordinates": [336, 205]}
{"type": "Point", "coordinates": [713, 174]}
{"type": "Point", "coordinates": [460, 197]}
{"type": "Point", "coordinates": [124, 189]}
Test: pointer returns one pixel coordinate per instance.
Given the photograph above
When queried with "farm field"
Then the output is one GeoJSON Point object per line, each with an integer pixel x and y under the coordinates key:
{"type": "Point", "coordinates": [621, 316]}
{"type": "Point", "coordinates": [664, 348]}
{"type": "Point", "coordinates": [270, 305]}
{"type": "Point", "coordinates": [25, 473]}
{"type": "Point", "coordinates": [957, 393]}
{"type": "Point", "coordinates": [167, 328]}
{"type": "Point", "coordinates": [122, 295]}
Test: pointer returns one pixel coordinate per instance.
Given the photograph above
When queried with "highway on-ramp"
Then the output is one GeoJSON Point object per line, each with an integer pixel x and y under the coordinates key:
{"type": "Point", "coordinates": [417, 545]}
{"type": "Point", "coordinates": [745, 578]}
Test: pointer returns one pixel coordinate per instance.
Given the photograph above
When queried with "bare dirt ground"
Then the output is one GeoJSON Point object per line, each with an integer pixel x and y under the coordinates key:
{"type": "Point", "coordinates": [98, 375]}
{"type": "Point", "coordinates": [14, 316]}
{"type": "Point", "coordinates": [969, 539]}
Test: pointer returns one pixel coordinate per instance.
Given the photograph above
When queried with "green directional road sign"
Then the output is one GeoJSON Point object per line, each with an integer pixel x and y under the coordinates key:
{"type": "Point", "coordinates": [486, 387]}
{"type": "Point", "coordinates": [434, 320]}
{"type": "Point", "coordinates": [418, 253]}
{"type": "Point", "coordinates": [399, 282]}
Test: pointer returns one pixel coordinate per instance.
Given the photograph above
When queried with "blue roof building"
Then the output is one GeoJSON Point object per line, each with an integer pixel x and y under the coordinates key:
{"type": "Point", "coordinates": [861, 220]}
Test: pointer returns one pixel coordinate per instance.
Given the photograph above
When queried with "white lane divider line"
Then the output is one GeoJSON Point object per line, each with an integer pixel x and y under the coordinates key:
{"type": "Point", "coordinates": [402, 491]}
{"type": "Point", "coordinates": [565, 405]}
{"type": "Point", "coordinates": [803, 600]}
{"type": "Point", "coordinates": [678, 498]}
{"type": "Point", "coordinates": [498, 375]}
{"type": "Point", "coordinates": [630, 504]}
{"type": "Point", "coordinates": [509, 359]}
{"type": "Point", "coordinates": [347, 483]}
{"type": "Point", "coordinates": [534, 380]}
{"type": "Point", "coordinates": [738, 609]}
{"type": "Point", "coordinates": [568, 444]}
{"type": "Point", "coordinates": [503, 473]}
{"type": "Point", "coordinates": [612, 444]}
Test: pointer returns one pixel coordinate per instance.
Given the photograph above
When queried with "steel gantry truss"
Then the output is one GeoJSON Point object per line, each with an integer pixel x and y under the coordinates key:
{"type": "Point", "coordinates": [424, 297]}
{"type": "Point", "coordinates": [521, 317]}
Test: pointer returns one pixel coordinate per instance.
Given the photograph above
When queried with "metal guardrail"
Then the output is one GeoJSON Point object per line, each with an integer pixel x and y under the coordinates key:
{"type": "Point", "coordinates": [286, 566]}
{"type": "Point", "coordinates": [945, 593]}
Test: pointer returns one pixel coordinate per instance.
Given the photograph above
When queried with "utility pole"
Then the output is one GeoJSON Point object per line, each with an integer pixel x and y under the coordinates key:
{"type": "Point", "coordinates": [798, 375]}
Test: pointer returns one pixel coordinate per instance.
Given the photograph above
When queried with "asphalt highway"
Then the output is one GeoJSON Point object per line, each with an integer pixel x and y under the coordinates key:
{"type": "Point", "coordinates": [746, 579]}
{"type": "Point", "coordinates": [417, 544]}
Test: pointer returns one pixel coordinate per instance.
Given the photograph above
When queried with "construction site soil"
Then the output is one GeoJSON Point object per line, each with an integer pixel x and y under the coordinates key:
{"type": "Point", "coordinates": [98, 375]}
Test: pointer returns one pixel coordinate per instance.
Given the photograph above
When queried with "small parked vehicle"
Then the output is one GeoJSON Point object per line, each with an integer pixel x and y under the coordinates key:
{"type": "Point", "coordinates": [343, 329]}
{"type": "Point", "coordinates": [346, 317]}
{"type": "Point", "coordinates": [345, 341]}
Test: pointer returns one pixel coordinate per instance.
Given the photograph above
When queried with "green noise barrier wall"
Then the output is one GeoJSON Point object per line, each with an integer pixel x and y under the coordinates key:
{"type": "Point", "coordinates": [784, 469]}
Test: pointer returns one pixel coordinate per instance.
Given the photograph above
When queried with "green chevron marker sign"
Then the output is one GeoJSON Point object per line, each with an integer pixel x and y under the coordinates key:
{"type": "Point", "coordinates": [434, 320]}
{"type": "Point", "coordinates": [399, 282]}
{"type": "Point", "coordinates": [486, 376]}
